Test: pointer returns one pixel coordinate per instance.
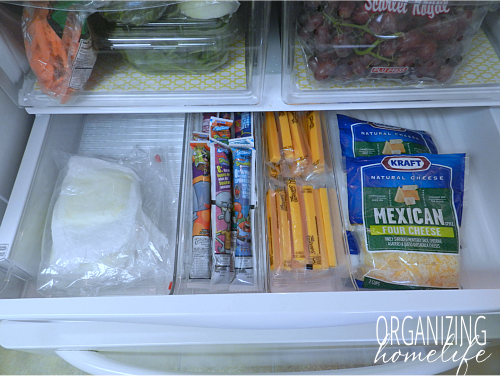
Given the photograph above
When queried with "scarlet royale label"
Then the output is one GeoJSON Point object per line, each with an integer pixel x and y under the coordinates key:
{"type": "Point", "coordinates": [422, 8]}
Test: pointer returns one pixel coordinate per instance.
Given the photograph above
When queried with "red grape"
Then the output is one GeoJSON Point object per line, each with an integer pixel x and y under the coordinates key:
{"type": "Point", "coordinates": [444, 73]}
{"type": "Point", "coordinates": [346, 8]}
{"type": "Point", "coordinates": [410, 41]}
{"type": "Point", "coordinates": [315, 20]}
{"type": "Point", "coordinates": [388, 48]}
{"type": "Point", "coordinates": [357, 66]}
{"type": "Point", "coordinates": [324, 69]}
{"type": "Point", "coordinates": [343, 73]}
{"type": "Point", "coordinates": [427, 50]}
{"type": "Point", "coordinates": [360, 15]}
{"type": "Point", "coordinates": [322, 38]}
{"type": "Point", "coordinates": [406, 59]}
{"type": "Point", "coordinates": [342, 44]}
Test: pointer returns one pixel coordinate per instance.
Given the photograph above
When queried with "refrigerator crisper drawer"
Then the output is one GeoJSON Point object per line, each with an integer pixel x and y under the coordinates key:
{"type": "Point", "coordinates": [474, 131]}
{"type": "Point", "coordinates": [114, 82]}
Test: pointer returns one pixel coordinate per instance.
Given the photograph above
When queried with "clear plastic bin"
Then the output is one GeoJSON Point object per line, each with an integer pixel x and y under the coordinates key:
{"type": "Point", "coordinates": [171, 44]}
{"type": "Point", "coordinates": [394, 51]}
{"type": "Point", "coordinates": [234, 76]}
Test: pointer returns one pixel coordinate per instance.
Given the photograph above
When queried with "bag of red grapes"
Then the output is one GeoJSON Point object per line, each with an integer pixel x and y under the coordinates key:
{"type": "Point", "coordinates": [411, 42]}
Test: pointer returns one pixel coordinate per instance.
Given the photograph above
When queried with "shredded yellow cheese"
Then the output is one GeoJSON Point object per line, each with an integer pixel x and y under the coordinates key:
{"type": "Point", "coordinates": [409, 268]}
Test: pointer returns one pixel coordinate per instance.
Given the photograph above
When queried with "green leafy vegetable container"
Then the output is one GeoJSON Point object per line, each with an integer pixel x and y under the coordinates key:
{"type": "Point", "coordinates": [172, 44]}
{"type": "Point", "coordinates": [135, 16]}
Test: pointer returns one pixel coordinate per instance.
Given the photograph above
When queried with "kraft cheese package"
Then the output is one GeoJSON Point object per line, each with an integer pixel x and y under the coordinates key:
{"type": "Point", "coordinates": [405, 212]}
{"type": "Point", "coordinates": [365, 139]}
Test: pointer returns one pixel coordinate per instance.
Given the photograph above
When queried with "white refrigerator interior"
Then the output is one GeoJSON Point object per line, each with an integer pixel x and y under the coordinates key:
{"type": "Point", "coordinates": [242, 332]}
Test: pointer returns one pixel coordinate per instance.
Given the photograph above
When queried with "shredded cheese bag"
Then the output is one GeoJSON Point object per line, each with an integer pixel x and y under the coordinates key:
{"type": "Point", "coordinates": [365, 139]}
{"type": "Point", "coordinates": [406, 212]}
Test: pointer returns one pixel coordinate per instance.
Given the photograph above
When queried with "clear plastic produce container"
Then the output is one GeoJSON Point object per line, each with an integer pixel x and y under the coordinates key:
{"type": "Point", "coordinates": [347, 51]}
{"type": "Point", "coordinates": [170, 44]}
{"type": "Point", "coordinates": [222, 59]}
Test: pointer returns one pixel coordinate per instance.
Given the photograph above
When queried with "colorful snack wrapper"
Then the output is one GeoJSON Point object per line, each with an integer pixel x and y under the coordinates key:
{"type": "Point", "coordinates": [243, 125]}
{"type": "Point", "coordinates": [202, 255]}
{"type": "Point", "coordinates": [226, 115]}
{"type": "Point", "coordinates": [205, 127]}
{"type": "Point", "coordinates": [222, 204]}
{"type": "Point", "coordinates": [365, 139]}
{"type": "Point", "coordinates": [197, 136]}
{"type": "Point", "coordinates": [220, 129]}
{"type": "Point", "coordinates": [242, 190]}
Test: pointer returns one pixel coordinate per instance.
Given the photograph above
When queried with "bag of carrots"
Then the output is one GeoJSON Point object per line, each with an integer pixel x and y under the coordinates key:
{"type": "Point", "coordinates": [59, 49]}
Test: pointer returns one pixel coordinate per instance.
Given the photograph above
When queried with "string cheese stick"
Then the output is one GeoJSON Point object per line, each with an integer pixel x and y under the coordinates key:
{"type": "Point", "coordinates": [270, 208]}
{"type": "Point", "coordinates": [321, 231]}
{"type": "Point", "coordinates": [273, 146]}
{"type": "Point", "coordinates": [284, 228]}
{"type": "Point", "coordinates": [312, 237]}
{"type": "Point", "coordinates": [275, 229]}
{"type": "Point", "coordinates": [313, 123]}
{"type": "Point", "coordinates": [327, 222]}
{"type": "Point", "coordinates": [286, 136]}
{"type": "Point", "coordinates": [295, 219]}
{"type": "Point", "coordinates": [300, 150]}
{"type": "Point", "coordinates": [298, 145]}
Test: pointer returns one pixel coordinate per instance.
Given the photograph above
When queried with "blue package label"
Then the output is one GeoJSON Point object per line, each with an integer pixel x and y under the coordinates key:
{"type": "Point", "coordinates": [407, 203]}
{"type": "Point", "coordinates": [365, 139]}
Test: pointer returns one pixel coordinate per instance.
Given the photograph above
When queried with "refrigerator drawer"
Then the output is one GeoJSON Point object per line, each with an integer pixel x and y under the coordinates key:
{"type": "Point", "coordinates": [474, 131]}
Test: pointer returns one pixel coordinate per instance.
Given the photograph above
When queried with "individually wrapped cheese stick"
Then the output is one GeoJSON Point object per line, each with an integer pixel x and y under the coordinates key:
{"type": "Point", "coordinates": [313, 130]}
{"type": "Point", "coordinates": [301, 164]}
{"type": "Point", "coordinates": [273, 145]}
{"type": "Point", "coordinates": [286, 136]}
{"type": "Point", "coordinates": [271, 227]}
{"type": "Point", "coordinates": [293, 194]}
{"type": "Point", "coordinates": [315, 258]}
{"type": "Point", "coordinates": [285, 243]}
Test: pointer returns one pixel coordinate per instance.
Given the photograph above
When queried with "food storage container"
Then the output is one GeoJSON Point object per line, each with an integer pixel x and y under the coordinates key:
{"type": "Point", "coordinates": [225, 65]}
{"type": "Point", "coordinates": [135, 17]}
{"type": "Point", "coordinates": [172, 44]}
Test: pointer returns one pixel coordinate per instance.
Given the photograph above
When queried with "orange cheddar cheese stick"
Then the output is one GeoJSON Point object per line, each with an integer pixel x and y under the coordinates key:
{"type": "Point", "coordinates": [270, 208]}
{"type": "Point", "coordinates": [312, 237]}
{"type": "Point", "coordinates": [275, 228]}
{"type": "Point", "coordinates": [327, 223]}
{"type": "Point", "coordinates": [284, 229]}
{"type": "Point", "coordinates": [313, 123]}
{"type": "Point", "coordinates": [298, 145]}
{"type": "Point", "coordinates": [273, 145]}
{"type": "Point", "coordinates": [286, 136]}
{"type": "Point", "coordinates": [321, 231]}
{"type": "Point", "coordinates": [300, 150]}
{"type": "Point", "coordinates": [295, 219]}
